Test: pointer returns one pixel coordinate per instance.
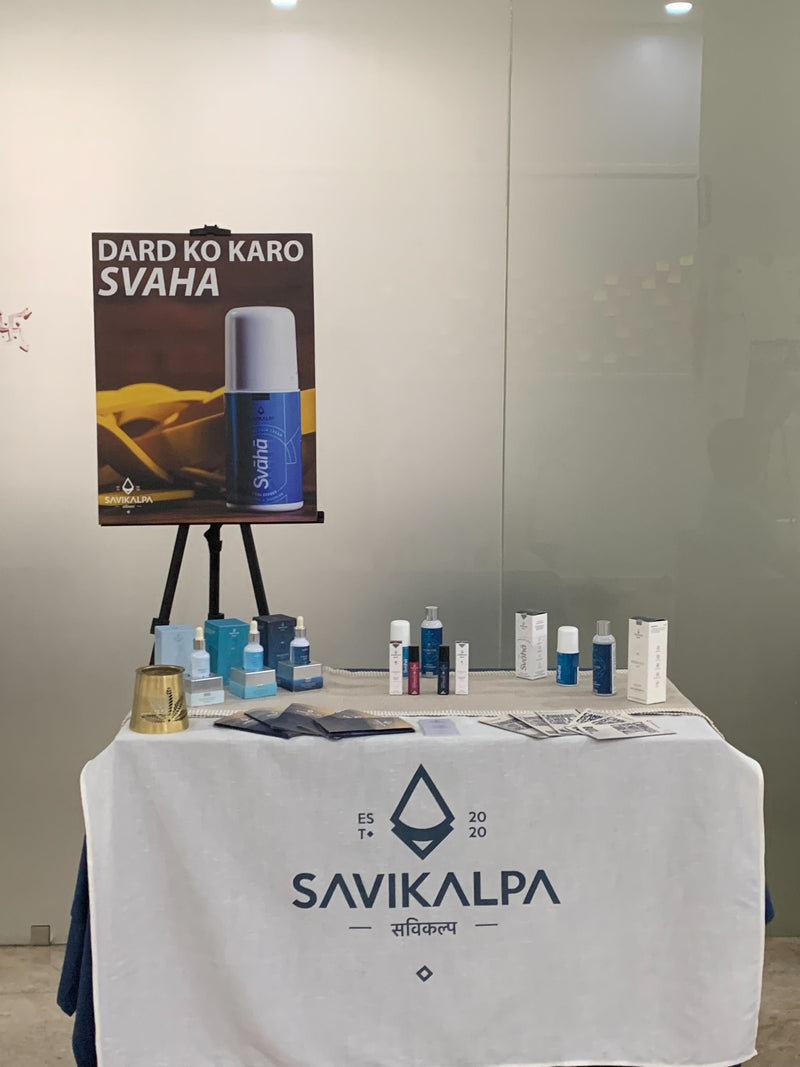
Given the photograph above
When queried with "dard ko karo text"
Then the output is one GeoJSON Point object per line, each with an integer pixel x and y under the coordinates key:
{"type": "Point", "coordinates": [169, 268]}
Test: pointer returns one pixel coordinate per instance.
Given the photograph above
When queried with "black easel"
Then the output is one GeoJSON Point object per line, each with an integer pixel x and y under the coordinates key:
{"type": "Point", "coordinates": [214, 539]}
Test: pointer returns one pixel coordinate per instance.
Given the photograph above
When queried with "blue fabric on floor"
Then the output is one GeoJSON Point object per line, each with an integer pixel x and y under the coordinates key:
{"type": "Point", "coordinates": [75, 988]}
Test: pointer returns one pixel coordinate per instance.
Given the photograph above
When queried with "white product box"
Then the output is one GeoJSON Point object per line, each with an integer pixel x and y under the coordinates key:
{"type": "Point", "coordinates": [647, 660]}
{"type": "Point", "coordinates": [395, 668]}
{"type": "Point", "coordinates": [530, 660]}
{"type": "Point", "coordinates": [462, 668]}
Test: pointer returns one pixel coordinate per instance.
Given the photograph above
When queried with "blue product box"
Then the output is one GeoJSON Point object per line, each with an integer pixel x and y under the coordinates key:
{"type": "Point", "coordinates": [174, 644]}
{"type": "Point", "coordinates": [225, 641]}
{"type": "Point", "coordinates": [250, 685]}
{"type": "Point", "coordinates": [276, 633]}
{"type": "Point", "coordinates": [299, 677]}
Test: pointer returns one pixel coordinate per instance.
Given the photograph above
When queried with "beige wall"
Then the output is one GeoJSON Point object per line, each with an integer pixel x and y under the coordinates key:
{"type": "Point", "coordinates": [382, 129]}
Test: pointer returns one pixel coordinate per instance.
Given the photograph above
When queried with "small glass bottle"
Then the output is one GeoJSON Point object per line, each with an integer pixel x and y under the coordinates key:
{"type": "Point", "coordinates": [201, 661]}
{"type": "Point", "coordinates": [299, 648]}
{"type": "Point", "coordinates": [254, 650]}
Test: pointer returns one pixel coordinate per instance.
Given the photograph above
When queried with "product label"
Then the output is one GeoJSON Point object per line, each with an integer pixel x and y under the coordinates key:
{"type": "Point", "coordinates": [567, 668]}
{"type": "Point", "coordinates": [264, 454]}
{"type": "Point", "coordinates": [299, 655]}
{"type": "Point", "coordinates": [603, 668]}
{"type": "Point", "coordinates": [431, 640]}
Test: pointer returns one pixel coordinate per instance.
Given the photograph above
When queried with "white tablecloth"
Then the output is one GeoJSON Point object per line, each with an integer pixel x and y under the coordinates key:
{"type": "Point", "coordinates": [580, 902]}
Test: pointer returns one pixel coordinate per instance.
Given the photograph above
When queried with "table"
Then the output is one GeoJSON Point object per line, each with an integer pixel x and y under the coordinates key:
{"type": "Point", "coordinates": [260, 903]}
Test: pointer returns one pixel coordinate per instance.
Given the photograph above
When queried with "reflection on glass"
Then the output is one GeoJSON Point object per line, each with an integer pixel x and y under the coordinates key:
{"type": "Point", "coordinates": [653, 360]}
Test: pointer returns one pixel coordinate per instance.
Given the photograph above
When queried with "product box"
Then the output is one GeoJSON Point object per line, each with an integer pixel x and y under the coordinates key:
{"type": "Point", "coordinates": [298, 677]}
{"type": "Point", "coordinates": [462, 668]}
{"type": "Point", "coordinates": [647, 660]}
{"type": "Point", "coordinates": [250, 685]}
{"type": "Point", "coordinates": [174, 644]}
{"type": "Point", "coordinates": [530, 660]}
{"type": "Point", "coordinates": [276, 633]}
{"type": "Point", "coordinates": [203, 691]}
{"type": "Point", "coordinates": [225, 641]}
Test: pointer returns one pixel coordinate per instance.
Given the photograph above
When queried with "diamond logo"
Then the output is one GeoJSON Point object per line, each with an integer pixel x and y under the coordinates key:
{"type": "Point", "coordinates": [128, 486]}
{"type": "Point", "coordinates": [422, 819]}
{"type": "Point", "coordinates": [424, 973]}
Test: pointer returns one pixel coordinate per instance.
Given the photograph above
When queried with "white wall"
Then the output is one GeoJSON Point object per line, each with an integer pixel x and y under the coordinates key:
{"type": "Point", "coordinates": [382, 129]}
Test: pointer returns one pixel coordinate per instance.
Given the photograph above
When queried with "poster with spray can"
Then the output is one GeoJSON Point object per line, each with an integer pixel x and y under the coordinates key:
{"type": "Point", "coordinates": [204, 362]}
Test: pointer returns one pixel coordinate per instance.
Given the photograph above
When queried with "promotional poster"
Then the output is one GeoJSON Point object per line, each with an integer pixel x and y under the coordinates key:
{"type": "Point", "coordinates": [204, 358]}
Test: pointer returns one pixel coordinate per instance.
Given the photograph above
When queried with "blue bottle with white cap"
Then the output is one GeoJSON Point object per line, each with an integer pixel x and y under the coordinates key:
{"type": "Point", "coordinates": [567, 654]}
{"type": "Point", "coordinates": [263, 439]}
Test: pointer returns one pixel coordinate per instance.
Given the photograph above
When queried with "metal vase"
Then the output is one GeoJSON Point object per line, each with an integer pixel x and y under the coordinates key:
{"type": "Point", "coordinates": [159, 702]}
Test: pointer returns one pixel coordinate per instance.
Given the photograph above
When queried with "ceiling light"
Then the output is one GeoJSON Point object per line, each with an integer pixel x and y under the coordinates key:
{"type": "Point", "coordinates": [682, 8]}
{"type": "Point", "coordinates": [293, 3]}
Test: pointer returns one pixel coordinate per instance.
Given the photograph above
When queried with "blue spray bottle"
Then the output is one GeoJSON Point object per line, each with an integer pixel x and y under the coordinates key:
{"type": "Point", "coordinates": [431, 639]}
{"type": "Point", "coordinates": [604, 660]}
{"type": "Point", "coordinates": [263, 440]}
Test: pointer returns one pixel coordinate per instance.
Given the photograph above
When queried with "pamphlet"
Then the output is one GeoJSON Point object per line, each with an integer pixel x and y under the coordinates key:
{"type": "Point", "coordinates": [240, 721]}
{"type": "Point", "coordinates": [599, 725]}
{"type": "Point", "coordinates": [310, 720]}
{"type": "Point", "coordinates": [514, 726]}
{"type": "Point", "coordinates": [555, 723]}
{"type": "Point", "coordinates": [622, 728]}
{"type": "Point", "coordinates": [352, 723]}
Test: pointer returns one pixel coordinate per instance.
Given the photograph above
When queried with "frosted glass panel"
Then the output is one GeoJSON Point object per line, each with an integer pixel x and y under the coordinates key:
{"type": "Point", "coordinates": [652, 437]}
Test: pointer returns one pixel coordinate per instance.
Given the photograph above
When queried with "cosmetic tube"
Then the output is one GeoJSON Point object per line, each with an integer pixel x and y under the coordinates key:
{"type": "Point", "coordinates": [413, 670]}
{"type": "Point", "coordinates": [443, 676]}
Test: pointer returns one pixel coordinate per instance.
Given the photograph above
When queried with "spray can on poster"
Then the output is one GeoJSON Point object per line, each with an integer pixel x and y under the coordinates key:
{"type": "Point", "coordinates": [263, 439]}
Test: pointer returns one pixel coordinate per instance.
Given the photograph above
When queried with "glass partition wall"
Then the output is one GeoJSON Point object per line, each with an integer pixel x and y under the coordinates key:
{"type": "Point", "coordinates": [652, 430]}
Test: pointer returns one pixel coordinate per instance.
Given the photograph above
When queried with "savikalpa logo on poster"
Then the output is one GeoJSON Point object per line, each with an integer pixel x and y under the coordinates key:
{"type": "Point", "coordinates": [204, 359]}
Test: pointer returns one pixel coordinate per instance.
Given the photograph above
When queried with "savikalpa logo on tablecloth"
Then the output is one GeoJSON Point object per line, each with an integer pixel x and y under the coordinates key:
{"type": "Point", "coordinates": [422, 840]}
{"type": "Point", "coordinates": [421, 800]}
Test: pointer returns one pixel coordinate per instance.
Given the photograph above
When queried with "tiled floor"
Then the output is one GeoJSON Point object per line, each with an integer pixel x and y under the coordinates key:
{"type": "Point", "coordinates": [34, 1033]}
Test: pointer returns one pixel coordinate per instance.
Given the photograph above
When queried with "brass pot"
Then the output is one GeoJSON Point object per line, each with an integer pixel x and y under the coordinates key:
{"type": "Point", "coordinates": [159, 702]}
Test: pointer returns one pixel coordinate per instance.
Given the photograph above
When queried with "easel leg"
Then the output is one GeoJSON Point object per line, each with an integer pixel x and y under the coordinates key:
{"type": "Point", "coordinates": [255, 569]}
{"type": "Point", "coordinates": [214, 539]}
{"type": "Point", "coordinates": [172, 581]}
{"type": "Point", "coordinates": [212, 536]}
